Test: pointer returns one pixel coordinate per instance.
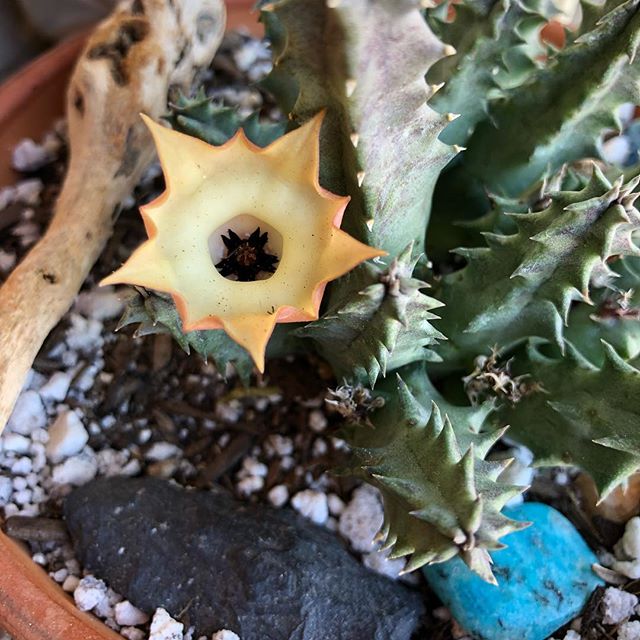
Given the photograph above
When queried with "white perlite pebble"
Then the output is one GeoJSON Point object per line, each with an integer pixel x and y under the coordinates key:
{"type": "Point", "coordinates": [7, 260]}
{"type": "Point", "coordinates": [336, 504]}
{"type": "Point", "coordinates": [519, 473]}
{"type": "Point", "coordinates": [77, 470]}
{"type": "Point", "coordinates": [164, 627]}
{"type": "Point", "coordinates": [90, 593]}
{"type": "Point", "coordinates": [629, 631]}
{"type": "Point", "coordinates": [159, 451]}
{"type": "Point", "coordinates": [317, 421]}
{"type": "Point", "coordinates": [16, 443]}
{"type": "Point", "coordinates": [628, 550]}
{"type": "Point", "coordinates": [6, 489]}
{"type": "Point", "coordinates": [379, 562]}
{"type": "Point", "coordinates": [278, 445]}
{"type": "Point", "coordinates": [252, 467]}
{"type": "Point", "coordinates": [571, 635]}
{"type": "Point", "coordinates": [57, 387]}
{"type": "Point", "coordinates": [311, 504]}
{"type": "Point", "coordinates": [617, 605]}
{"type": "Point", "coordinates": [277, 496]}
{"type": "Point", "coordinates": [362, 518]}
{"type": "Point", "coordinates": [100, 304]}
{"type": "Point", "coordinates": [28, 414]}
{"type": "Point", "coordinates": [250, 485]}
{"type": "Point", "coordinates": [7, 197]}
{"type": "Point", "coordinates": [127, 615]}
{"type": "Point", "coordinates": [28, 191]}
{"type": "Point", "coordinates": [131, 633]}
{"type": "Point", "coordinates": [29, 156]}
{"type": "Point", "coordinates": [225, 634]}
{"type": "Point", "coordinates": [616, 150]}
{"type": "Point", "coordinates": [630, 542]}
{"type": "Point", "coordinates": [67, 436]}
{"type": "Point", "coordinates": [70, 584]}
{"type": "Point", "coordinates": [83, 334]}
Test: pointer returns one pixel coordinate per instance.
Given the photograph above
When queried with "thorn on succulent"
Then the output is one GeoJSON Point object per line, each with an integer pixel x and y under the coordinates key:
{"type": "Point", "coordinates": [355, 139]}
{"type": "Point", "coordinates": [350, 87]}
{"type": "Point", "coordinates": [452, 116]}
{"type": "Point", "coordinates": [457, 148]}
{"type": "Point", "coordinates": [369, 224]}
{"type": "Point", "coordinates": [449, 50]}
{"type": "Point", "coordinates": [360, 177]}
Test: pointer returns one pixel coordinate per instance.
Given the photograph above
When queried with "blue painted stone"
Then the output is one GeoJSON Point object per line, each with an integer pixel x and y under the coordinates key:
{"type": "Point", "coordinates": [544, 580]}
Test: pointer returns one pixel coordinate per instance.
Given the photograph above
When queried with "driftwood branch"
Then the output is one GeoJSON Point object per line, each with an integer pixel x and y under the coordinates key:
{"type": "Point", "coordinates": [129, 65]}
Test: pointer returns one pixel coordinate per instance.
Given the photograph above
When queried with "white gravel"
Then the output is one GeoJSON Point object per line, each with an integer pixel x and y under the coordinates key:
{"type": "Point", "coordinates": [629, 631]}
{"type": "Point", "coordinates": [76, 471]}
{"type": "Point", "coordinates": [164, 627]}
{"type": "Point", "coordinates": [225, 634]}
{"type": "Point", "coordinates": [67, 437]}
{"type": "Point", "coordinates": [57, 387]}
{"type": "Point", "coordinates": [311, 504]}
{"type": "Point", "coordinates": [90, 593]}
{"type": "Point", "coordinates": [618, 605]}
{"type": "Point", "coordinates": [362, 518]}
{"type": "Point", "coordinates": [278, 495]}
{"type": "Point", "coordinates": [627, 550]}
{"type": "Point", "coordinates": [28, 414]}
{"type": "Point", "coordinates": [126, 615]}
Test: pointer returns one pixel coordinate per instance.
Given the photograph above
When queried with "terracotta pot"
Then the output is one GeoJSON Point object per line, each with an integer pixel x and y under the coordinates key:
{"type": "Point", "coordinates": [32, 606]}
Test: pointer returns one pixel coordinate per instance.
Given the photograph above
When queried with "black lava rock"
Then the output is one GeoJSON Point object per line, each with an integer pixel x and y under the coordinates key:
{"type": "Point", "coordinates": [264, 573]}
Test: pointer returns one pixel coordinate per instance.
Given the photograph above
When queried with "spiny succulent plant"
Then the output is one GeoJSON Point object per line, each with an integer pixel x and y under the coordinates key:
{"type": "Point", "coordinates": [536, 317]}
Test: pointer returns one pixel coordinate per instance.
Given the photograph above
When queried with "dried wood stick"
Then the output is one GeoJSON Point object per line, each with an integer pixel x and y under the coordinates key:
{"type": "Point", "coordinates": [127, 68]}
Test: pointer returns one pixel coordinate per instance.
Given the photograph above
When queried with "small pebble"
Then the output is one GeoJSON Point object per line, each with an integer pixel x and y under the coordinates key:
{"type": "Point", "coordinates": [616, 150]}
{"type": "Point", "coordinates": [225, 634]}
{"type": "Point", "coordinates": [57, 387]}
{"type": "Point", "coordinates": [336, 504]}
{"type": "Point", "coordinates": [164, 627]}
{"type": "Point", "coordinates": [7, 260]}
{"type": "Point", "coordinates": [77, 470]}
{"type": "Point", "coordinates": [617, 605]}
{"type": "Point", "coordinates": [28, 414]}
{"type": "Point", "coordinates": [317, 421]}
{"type": "Point", "coordinates": [362, 518]}
{"type": "Point", "coordinates": [16, 443]}
{"type": "Point", "coordinates": [28, 156]}
{"type": "Point", "coordinates": [6, 489]}
{"type": "Point", "coordinates": [278, 495]}
{"type": "Point", "coordinates": [251, 467]}
{"type": "Point", "coordinates": [311, 504]}
{"type": "Point", "coordinates": [628, 550]}
{"type": "Point", "coordinates": [162, 451]}
{"type": "Point", "coordinates": [100, 304]}
{"type": "Point", "coordinates": [127, 615]}
{"type": "Point", "coordinates": [629, 630]}
{"type": "Point", "coordinates": [84, 334]}
{"type": "Point", "coordinates": [28, 191]}
{"type": "Point", "coordinates": [380, 562]}
{"type": "Point", "coordinates": [131, 633]}
{"type": "Point", "coordinates": [70, 584]}
{"type": "Point", "coordinates": [89, 593]}
{"type": "Point", "coordinates": [67, 436]}
{"type": "Point", "coordinates": [250, 485]}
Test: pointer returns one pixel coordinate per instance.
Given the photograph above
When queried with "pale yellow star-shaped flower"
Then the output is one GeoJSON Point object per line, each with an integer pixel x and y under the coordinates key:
{"type": "Point", "coordinates": [211, 188]}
